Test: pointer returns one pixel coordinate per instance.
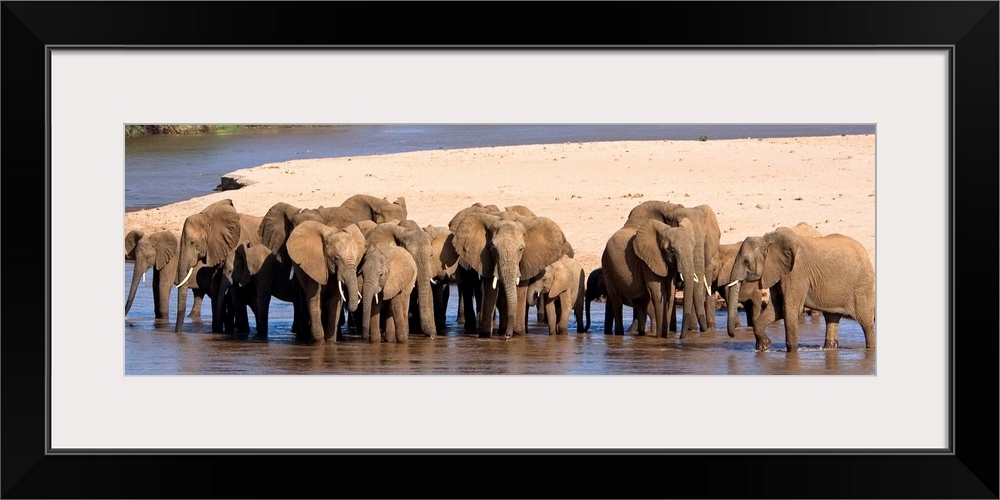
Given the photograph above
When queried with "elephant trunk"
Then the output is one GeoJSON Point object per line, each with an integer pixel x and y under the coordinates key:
{"type": "Point", "coordinates": [349, 276]}
{"type": "Point", "coordinates": [368, 293]}
{"type": "Point", "coordinates": [181, 306]}
{"type": "Point", "coordinates": [733, 296]}
{"type": "Point", "coordinates": [425, 302]}
{"type": "Point", "coordinates": [138, 271]}
{"type": "Point", "coordinates": [510, 274]}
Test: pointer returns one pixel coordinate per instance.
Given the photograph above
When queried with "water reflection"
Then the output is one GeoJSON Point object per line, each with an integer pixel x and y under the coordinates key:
{"type": "Point", "coordinates": [153, 348]}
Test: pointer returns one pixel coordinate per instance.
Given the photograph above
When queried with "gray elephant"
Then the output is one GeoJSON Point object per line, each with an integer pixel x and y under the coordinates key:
{"type": "Point", "coordinates": [832, 274]}
{"type": "Point", "coordinates": [468, 281]}
{"type": "Point", "coordinates": [210, 237]}
{"type": "Point", "coordinates": [509, 250]}
{"type": "Point", "coordinates": [274, 230]}
{"type": "Point", "coordinates": [750, 295]}
{"type": "Point", "coordinates": [378, 210]}
{"type": "Point", "coordinates": [706, 230]}
{"type": "Point", "coordinates": [257, 277]}
{"type": "Point", "coordinates": [323, 255]}
{"type": "Point", "coordinates": [434, 252]}
{"type": "Point", "coordinates": [668, 254]}
{"type": "Point", "coordinates": [388, 275]}
{"type": "Point", "coordinates": [560, 291]}
{"type": "Point", "coordinates": [159, 251]}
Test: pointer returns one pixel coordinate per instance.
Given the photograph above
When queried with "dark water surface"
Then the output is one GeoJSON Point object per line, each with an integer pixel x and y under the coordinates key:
{"type": "Point", "coordinates": [163, 169]}
{"type": "Point", "coordinates": [153, 348]}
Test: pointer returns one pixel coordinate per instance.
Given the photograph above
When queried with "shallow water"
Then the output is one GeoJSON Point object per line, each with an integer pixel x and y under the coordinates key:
{"type": "Point", "coordinates": [152, 348]}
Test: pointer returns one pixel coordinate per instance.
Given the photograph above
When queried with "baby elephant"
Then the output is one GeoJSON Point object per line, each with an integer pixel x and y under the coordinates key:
{"type": "Point", "coordinates": [388, 275]}
{"type": "Point", "coordinates": [561, 290]}
{"type": "Point", "coordinates": [832, 274]}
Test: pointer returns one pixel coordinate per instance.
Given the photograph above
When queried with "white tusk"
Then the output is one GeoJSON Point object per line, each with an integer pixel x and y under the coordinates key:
{"type": "Point", "coordinates": [186, 278]}
{"type": "Point", "coordinates": [359, 295]}
{"type": "Point", "coordinates": [301, 210]}
{"type": "Point", "coordinates": [143, 278]}
{"type": "Point", "coordinates": [681, 275]}
{"type": "Point", "coordinates": [376, 298]}
{"type": "Point", "coordinates": [696, 278]}
{"type": "Point", "coordinates": [494, 282]}
{"type": "Point", "coordinates": [733, 283]}
{"type": "Point", "coordinates": [291, 273]}
{"type": "Point", "coordinates": [340, 286]}
{"type": "Point", "coordinates": [433, 281]}
{"type": "Point", "coordinates": [708, 288]}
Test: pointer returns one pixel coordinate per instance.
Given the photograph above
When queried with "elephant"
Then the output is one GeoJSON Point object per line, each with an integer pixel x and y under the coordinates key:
{"type": "Point", "coordinates": [319, 253]}
{"type": "Point", "coordinates": [390, 272]}
{"type": "Point", "coordinates": [378, 210]}
{"type": "Point", "coordinates": [832, 274]}
{"type": "Point", "coordinates": [706, 230]}
{"type": "Point", "coordinates": [209, 237]}
{"type": "Point", "coordinates": [258, 275]}
{"type": "Point", "coordinates": [274, 229]}
{"type": "Point", "coordinates": [159, 251]}
{"type": "Point", "coordinates": [624, 281]}
{"type": "Point", "coordinates": [434, 252]}
{"type": "Point", "coordinates": [512, 250]}
{"type": "Point", "coordinates": [562, 282]}
{"type": "Point", "coordinates": [469, 282]}
{"type": "Point", "coordinates": [749, 294]}
{"type": "Point", "coordinates": [668, 253]}
{"type": "Point", "coordinates": [595, 290]}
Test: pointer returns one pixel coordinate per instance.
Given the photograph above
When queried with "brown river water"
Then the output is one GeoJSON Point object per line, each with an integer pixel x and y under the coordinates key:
{"type": "Point", "coordinates": [152, 348]}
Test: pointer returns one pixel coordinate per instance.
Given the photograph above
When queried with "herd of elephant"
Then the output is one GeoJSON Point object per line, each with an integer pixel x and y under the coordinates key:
{"type": "Point", "coordinates": [365, 266]}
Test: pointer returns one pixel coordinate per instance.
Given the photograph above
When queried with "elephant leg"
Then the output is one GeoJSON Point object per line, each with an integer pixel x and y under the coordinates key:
{"type": "Point", "coordinates": [240, 318]}
{"type": "Point", "coordinates": [400, 311]}
{"type": "Point", "coordinates": [549, 306]}
{"type": "Point", "coordinates": [562, 313]}
{"type": "Point", "coordinates": [793, 308]}
{"type": "Point", "coordinates": [460, 315]}
{"type": "Point", "coordinates": [333, 322]}
{"type": "Point", "coordinates": [261, 314]}
{"type": "Point", "coordinates": [832, 323]}
{"type": "Point", "coordinates": [161, 297]}
{"type": "Point", "coordinates": [218, 304]}
{"type": "Point", "coordinates": [315, 306]}
{"type": "Point", "coordinates": [615, 311]}
{"type": "Point", "coordinates": [486, 311]}
{"type": "Point", "coordinates": [440, 291]}
{"type": "Point", "coordinates": [195, 314]}
{"type": "Point", "coordinates": [868, 327]}
{"type": "Point", "coordinates": [521, 313]}
{"type": "Point", "coordinates": [767, 316]}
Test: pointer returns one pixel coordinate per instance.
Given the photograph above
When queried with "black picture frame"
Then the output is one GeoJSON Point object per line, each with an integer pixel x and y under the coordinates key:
{"type": "Point", "coordinates": [970, 470]}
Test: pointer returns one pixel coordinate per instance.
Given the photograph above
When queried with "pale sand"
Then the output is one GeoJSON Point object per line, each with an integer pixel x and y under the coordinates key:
{"type": "Point", "coordinates": [754, 185]}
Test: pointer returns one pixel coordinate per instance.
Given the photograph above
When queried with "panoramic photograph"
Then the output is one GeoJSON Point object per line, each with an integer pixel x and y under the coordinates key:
{"type": "Point", "coordinates": [468, 249]}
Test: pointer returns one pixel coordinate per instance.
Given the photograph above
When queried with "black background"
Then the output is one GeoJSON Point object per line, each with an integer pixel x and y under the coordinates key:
{"type": "Point", "coordinates": [970, 472]}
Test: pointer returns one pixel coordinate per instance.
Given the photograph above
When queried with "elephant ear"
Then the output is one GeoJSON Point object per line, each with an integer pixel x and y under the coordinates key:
{"type": "Point", "coordinates": [306, 246]}
{"type": "Point", "coordinates": [470, 242]}
{"type": "Point", "coordinates": [781, 251]}
{"type": "Point", "coordinates": [544, 243]}
{"type": "Point", "coordinates": [385, 232]}
{"type": "Point", "coordinates": [727, 259]}
{"type": "Point", "coordinates": [166, 248]}
{"type": "Point", "coordinates": [409, 225]}
{"type": "Point", "coordinates": [648, 246]}
{"type": "Point", "coordinates": [277, 225]}
{"type": "Point", "coordinates": [562, 277]}
{"type": "Point", "coordinates": [443, 249]}
{"type": "Point", "coordinates": [131, 241]}
{"type": "Point", "coordinates": [224, 230]}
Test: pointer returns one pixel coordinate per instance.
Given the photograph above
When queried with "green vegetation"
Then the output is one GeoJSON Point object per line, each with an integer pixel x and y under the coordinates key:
{"type": "Point", "coordinates": [703, 138]}
{"type": "Point", "coordinates": [134, 130]}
